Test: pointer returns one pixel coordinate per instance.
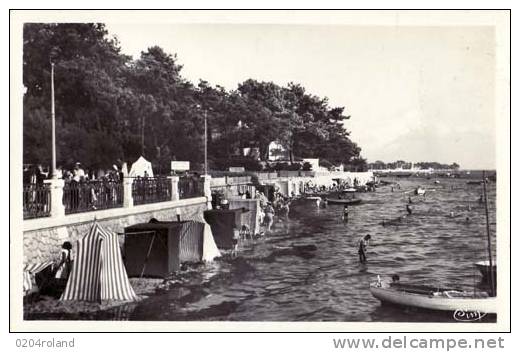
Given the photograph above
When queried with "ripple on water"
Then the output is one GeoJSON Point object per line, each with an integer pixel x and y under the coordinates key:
{"type": "Point", "coordinates": [269, 284]}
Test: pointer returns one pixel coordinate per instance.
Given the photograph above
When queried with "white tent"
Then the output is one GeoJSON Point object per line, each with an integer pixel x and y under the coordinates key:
{"type": "Point", "coordinates": [139, 168]}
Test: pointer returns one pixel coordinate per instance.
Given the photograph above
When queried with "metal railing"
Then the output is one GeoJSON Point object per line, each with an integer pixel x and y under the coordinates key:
{"type": "Point", "coordinates": [191, 187]}
{"type": "Point", "coordinates": [147, 190]}
{"type": "Point", "coordinates": [36, 201]}
{"type": "Point", "coordinates": [86, 196]}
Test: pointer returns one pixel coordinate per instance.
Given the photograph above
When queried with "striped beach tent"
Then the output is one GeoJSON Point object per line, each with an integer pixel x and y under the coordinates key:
{"type": "Point", "coordinates": [29, 272]}
{"type": "Point", "coordinates": [98, 273]}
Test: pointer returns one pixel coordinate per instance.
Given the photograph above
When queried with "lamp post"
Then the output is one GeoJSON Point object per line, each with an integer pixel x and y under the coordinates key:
{"type": "Point", "coordinates": [53, 123]}
{"type": "Point", "coordinates": [205, 138]}
{"type": "Point", "coordinates": [205, 141]}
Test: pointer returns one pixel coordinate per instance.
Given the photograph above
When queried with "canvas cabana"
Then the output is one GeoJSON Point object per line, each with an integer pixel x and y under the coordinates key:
{"type": "Point", "coordinates": [223, 223]}
{"type": "Point", "coordinates": [98, 272]}
{"type": "Point", "coordinates": [29, 274]}
{"type": "Point", "coordinates": [158, 248]}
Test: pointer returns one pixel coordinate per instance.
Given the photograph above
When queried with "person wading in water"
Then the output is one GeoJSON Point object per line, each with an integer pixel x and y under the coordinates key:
{"type": "Point", "coordinates": [345, 213]}
{"type": "Point", "coordinates": [362, 250]}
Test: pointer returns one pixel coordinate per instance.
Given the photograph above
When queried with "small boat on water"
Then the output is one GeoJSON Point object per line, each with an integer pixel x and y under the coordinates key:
{"type": "Point", "coordinates": [441, 299]}
{"type": "Point", "coordinates": [349, 190]}
{"type": "Point", "coordinates": [353, 201]}
{"type": "Point", "coordinates": [433, 298]}
{"type": "Point", "coordinates": [483, 267]}
{"type": "Point", "coordinates": [420, 191]}
{"type": "Point", "coordinates": [474, 182]}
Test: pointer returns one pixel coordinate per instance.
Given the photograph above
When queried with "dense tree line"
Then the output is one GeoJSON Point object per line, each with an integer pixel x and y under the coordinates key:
{"type": "Point", "coordinates": [110, 108]}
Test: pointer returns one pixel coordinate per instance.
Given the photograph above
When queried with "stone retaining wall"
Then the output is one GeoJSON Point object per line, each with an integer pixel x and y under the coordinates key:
{"type": "Point", "coordinates": [42, 241]}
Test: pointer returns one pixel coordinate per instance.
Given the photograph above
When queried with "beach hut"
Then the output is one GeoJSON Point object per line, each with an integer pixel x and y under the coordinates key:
{"type": "Point", "coordinates": [223, 223]}
{"type": "Point", "coordinates": [98, 272]}
{"type": "Point", "coordinates": [268, 190]}
{"type": "Point", "coordinates": [158, 248]}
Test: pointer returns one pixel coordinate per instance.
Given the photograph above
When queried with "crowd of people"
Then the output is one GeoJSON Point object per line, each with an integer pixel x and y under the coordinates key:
{"type": "Point", "coordinates": [83, 188]}
{"type": "Point", "coordinates": [34, 174]}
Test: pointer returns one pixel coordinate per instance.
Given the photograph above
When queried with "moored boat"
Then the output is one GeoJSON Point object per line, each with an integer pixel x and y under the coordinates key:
{"type": "Point", "coordinates": [474, 182]}
{"type": "Point", "coordinates": [483, 267]}
{"type": "Point", "coordinates": [432, 298]}
{"type": "Point", "coordinates": [353, 201]}
{"type": "Point", "coordinates": [349, 190]}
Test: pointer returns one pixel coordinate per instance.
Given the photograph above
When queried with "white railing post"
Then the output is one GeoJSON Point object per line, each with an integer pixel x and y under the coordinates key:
{"type": "Point", "coordinates": [56, 189]}
{"type": "Point", "coordinates": [175, 187]}
{"type": "Point", "coordinates": [128, 200]}
{"type": "Point", "coordinates": [207, 190]}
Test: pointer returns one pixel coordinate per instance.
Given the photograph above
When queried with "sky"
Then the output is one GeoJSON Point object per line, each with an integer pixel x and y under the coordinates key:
{"type": "Point", "coordinates": [413, 93]}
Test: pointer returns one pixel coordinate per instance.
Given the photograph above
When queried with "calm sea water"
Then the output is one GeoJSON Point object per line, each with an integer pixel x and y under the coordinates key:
{"type": "Point", "coordinates": [267, 282]}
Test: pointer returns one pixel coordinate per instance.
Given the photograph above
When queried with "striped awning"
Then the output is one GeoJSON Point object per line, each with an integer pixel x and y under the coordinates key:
{"type": "Point", "coordinates": [98, 273]}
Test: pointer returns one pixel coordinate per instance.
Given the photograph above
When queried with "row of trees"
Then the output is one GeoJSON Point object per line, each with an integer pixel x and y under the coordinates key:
{"type": "Point", "coordinates": [111, 108]}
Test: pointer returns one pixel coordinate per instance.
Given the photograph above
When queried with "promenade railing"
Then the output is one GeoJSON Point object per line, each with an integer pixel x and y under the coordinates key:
{"type": "Point", "coordinates": [36, 201]}
{"type": "Point", "coordinates": [147, 190]}
{"type": "Point", "coordinates": [92, 195]}
{"type": "Point", "coordinates": [190, 187]}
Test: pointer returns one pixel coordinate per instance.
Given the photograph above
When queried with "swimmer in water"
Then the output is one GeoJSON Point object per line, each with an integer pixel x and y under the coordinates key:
{"type": "Point", "coordinates": [345, 213]}
{"type": "Point", "coordinates": [409, 209]}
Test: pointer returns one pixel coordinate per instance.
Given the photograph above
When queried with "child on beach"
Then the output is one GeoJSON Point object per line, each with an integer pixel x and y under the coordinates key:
{"type": "Point", "coordinates": [65, 265]}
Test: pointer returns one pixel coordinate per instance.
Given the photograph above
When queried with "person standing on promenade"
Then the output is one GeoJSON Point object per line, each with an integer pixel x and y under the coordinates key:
{"type": "Point", "coordinates": [362, 249]}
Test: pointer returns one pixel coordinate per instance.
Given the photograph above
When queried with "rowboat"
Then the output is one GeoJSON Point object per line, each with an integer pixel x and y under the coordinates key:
{"type": "Point", "coordinates": [432, 298]}
{"type": "Point", "coordinates": [349, 190]}
{"type": "Point", "coordinates": [474, 182]}
{"type": "Point", "coordinates": [483, 267]}
{"type": "Point", "coordinates": [440, 299]}
{"type": "Point", "coordinates": [354, 201]}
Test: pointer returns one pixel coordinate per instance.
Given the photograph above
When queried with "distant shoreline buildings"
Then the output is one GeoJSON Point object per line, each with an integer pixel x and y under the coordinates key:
{"type": "Point", "coordinates": [405, 168]}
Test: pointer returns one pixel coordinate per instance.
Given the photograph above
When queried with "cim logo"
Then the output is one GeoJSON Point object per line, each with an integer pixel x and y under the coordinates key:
{"type": "Point", "coordinates": [467, 315]}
